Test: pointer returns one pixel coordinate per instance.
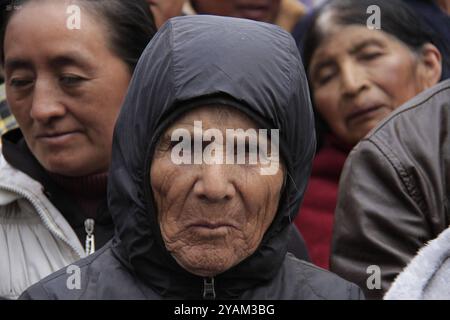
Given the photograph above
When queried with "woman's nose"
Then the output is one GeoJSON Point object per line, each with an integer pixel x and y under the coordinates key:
{"type": "Point", "coordinates": [353, 79]}
{"type": "Point", "coordinates": [215, 183]}
{"type": "Point", "coordinates": [45, 105]}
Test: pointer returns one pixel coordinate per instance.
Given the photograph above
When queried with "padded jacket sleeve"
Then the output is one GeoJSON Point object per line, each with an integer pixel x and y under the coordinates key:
{"type": "Point", "coordinates": [381, 217]}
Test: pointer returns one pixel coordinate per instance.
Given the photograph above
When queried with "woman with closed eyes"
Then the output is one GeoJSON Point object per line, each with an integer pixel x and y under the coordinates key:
{"type": "Point", "coordinates": [358, 76]}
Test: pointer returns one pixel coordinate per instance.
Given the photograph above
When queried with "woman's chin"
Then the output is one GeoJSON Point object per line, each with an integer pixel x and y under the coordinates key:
{"type": "Point", "coordinates": [207, 262]}
{"type": "Point", "coordinates": [69, 165]}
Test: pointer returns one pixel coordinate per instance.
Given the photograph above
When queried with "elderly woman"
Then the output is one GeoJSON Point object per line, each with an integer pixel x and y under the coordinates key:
{"type": "Point", "coordinates": [357, 76]}
{"type": "Point", "coordinates": [189, 225]}
{"type": "Point", "coordinates": [65, 87]}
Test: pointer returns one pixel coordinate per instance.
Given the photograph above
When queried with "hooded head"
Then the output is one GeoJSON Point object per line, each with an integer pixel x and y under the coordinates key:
{"type": "Point", "coordinates": [204, 63]}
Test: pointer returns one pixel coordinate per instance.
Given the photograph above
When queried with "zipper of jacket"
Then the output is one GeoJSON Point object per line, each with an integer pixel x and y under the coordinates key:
{"type": "Point", "coordinates": [43, 217]}
{"type": "Point", "coordinates": [89, 225]}
{"type": "Point", "coordinates": [209, 292]}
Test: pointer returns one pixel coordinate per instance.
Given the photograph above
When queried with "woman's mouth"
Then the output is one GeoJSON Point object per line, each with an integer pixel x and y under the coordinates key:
{"type": "Point", "coordinates": [56, 138]}
{"type": "Point", "coordinates": [362, 114]}
{"type": "Point", "coordinates": [211, 226]}
{"type": "Point", "coordinates": [211, 231]}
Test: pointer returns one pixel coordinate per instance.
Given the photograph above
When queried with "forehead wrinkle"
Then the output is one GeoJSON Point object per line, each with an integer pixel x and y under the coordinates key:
{"type": "Point", "coordinates": [322, 58]}
{"type": "Point", "coordinates": [88, 15]}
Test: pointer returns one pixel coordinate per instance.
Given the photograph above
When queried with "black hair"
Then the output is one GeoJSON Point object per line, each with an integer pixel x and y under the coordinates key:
{"type": "Point", "coordinates": [130, 24]}
{"type": "Point", "coordinates": [397, 19]}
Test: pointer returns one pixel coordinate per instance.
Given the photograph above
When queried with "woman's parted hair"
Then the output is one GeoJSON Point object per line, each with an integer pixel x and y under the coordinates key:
{"type": "Point", "coordinates": [130, 24]}
{"type": "Point", "coordinates": [397, 19]}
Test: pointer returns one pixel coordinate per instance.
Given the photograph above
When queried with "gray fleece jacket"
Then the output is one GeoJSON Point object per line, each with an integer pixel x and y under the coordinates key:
{"type": "Point", "coordinates": [428, 275]}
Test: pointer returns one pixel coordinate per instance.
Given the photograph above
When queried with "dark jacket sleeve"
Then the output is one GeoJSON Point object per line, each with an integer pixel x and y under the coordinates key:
{"type": "Point", "coordinates": [380, 218]}
{"type": "Point", "coordinates": [35, 292]}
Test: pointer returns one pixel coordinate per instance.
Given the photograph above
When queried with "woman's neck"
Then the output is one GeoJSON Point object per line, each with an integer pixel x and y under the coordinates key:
{"type": "Point", "coordinates": [88, 191]}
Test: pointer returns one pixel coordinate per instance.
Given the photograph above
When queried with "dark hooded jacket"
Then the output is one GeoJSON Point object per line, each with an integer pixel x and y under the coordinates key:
{"type": "Point", "coordinates": [193, 61]}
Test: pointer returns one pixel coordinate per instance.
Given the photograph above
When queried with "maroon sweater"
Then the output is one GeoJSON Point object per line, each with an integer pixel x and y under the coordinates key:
{"type": "Point", "coordinates": [89, 192]}
{"type": "Point", "coordinates": [315, 219]}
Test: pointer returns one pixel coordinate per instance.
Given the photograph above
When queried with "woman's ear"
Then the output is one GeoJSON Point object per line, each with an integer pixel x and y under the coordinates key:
{"type": "Point", "coordinates": [430, 66]}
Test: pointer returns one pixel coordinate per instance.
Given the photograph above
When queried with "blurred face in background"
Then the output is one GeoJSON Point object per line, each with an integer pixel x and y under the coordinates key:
{"type": "Point", "coordinates": [444, 5]}
{"type": "Point", "coordinates": [65, 87]}
{"type": "Point", "coordinates": [259, 10]}
{"type": "Point", "coordinates": [359, 76]}
{"type": "Point", "coordinates": [165, 9]}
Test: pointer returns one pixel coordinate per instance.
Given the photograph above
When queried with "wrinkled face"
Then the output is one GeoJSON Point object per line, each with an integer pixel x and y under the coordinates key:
{"type": "Point", "coordinates": [165, 9]}
{"type": "Point", "coordinates": [64, 87]}
{"type": "Point", "coordinates": [359, 76]}
{"type": "Point", "coordinates": [259, 10]}
{"type": "Point", "coordinates": [212, 216]}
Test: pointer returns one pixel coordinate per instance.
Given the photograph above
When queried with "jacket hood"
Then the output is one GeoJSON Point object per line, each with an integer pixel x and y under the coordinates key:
{"type": "Point", "coordinates": [194, 61]}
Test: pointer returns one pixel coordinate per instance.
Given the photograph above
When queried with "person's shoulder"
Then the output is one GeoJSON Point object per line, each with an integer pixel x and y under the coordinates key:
{"type": "Point", "coordinates": [15, 184]}
{"type": "Point", "coordinates": [72, 281]}
{"type": "Point", "coordinates": [8, 173]}
{"type": "Point", "coordinates": [317, 283]}
{"type": "Point", "coordinates": [99, 276]}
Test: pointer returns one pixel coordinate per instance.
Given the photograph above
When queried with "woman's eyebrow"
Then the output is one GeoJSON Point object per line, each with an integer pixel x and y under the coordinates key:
{"type": "Point", "coordinates": [323, 64]}
{"type": "Point", "coordinates": [365, 43]}
{"type": "Point", "coordinates": [59, 61]}
{"type": "Point", "coordinates": [17, 63]}
{"type": "Point", "coordinates": [69, 59]}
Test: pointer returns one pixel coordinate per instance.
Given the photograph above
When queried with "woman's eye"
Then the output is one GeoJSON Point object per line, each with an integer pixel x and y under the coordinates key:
{"type": "Point", "coordinates": [324, 74]}
{"type": "Point", "coordinates": [368, 56]}
{"type": "Point", "coordinates": [20, 83]}
{"type": "Point", "coordinates": [325, 77]}
{"type": "Point", "coordinates": [166, 144]}
{"type": "Point", "coordinates": [71, 80]}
